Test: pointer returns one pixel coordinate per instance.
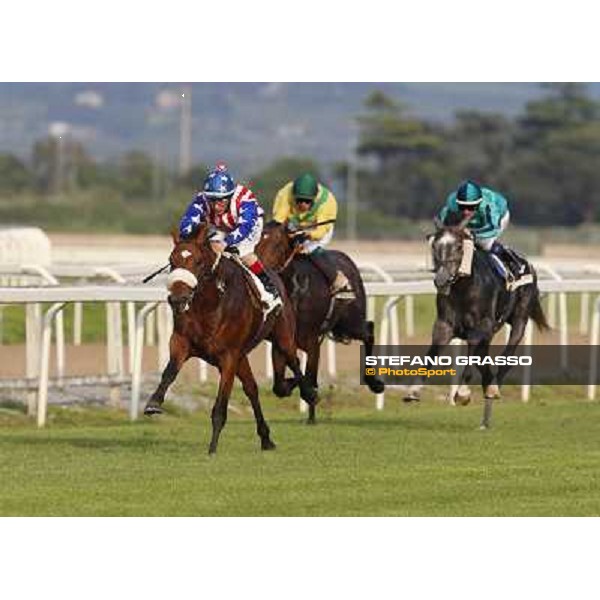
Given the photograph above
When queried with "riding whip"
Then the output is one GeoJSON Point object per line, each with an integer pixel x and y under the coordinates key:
{"type": "Point", "coordinates": [153, 275]}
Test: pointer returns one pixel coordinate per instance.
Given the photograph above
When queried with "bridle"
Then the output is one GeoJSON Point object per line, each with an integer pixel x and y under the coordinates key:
{"type": "Point", "coordinates": [438, 264]}
{"type": "Point", "coordinates": [194, 279]}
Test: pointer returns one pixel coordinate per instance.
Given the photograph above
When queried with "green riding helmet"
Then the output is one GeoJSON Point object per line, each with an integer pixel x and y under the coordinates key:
{"type": "Point", "coordinates": [305, 187]}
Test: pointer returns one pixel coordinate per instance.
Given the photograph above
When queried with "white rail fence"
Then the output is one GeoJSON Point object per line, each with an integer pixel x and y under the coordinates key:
{"type": "Point", "coordinates": [150, 298]}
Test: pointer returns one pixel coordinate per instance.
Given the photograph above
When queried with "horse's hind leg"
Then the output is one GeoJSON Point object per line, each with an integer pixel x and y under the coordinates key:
{"type": "Point", "coordinates": [313, 356]}
{"type": "Point", "coordinates": [517, 330]}
{"type": "Point", "coordinates": [374, 383]}
{"type": "Point", "coordinates": [250, 388]}
{"type": "Point", "coordinates": [228, 369]}
{"type": "Point", "coordinates": [179, 353]}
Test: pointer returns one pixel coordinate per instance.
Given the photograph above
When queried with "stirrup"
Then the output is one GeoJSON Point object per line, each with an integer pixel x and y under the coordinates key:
{"type": "Point", "coordinates": [344, 288]}
{"type": "Point", "coordinates": [271, 304]}
{"type": "Point", "coordinates": [344, 293]}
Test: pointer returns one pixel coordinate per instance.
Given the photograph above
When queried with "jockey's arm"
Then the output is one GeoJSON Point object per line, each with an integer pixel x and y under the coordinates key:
{"type": "Point", "coordinates": [247, 219]}
{"type": "Point", "coordinates": [327, 212]}
{"type": "Point", "coordinates": [282, 203]}
{"type": "Point", "coordinates": [192, 217]}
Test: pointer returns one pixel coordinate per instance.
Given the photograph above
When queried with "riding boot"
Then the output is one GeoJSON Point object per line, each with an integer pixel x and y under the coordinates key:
{"type": "Point", "coordinates": [510, 258]}
{"type": "Point", "coordinates": [271, 289]}
{"type": "Point", "coordinates": [335, 278]}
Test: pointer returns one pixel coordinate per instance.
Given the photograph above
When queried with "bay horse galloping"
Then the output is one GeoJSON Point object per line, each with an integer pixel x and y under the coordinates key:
{"type": "Point", "coordinates": [318, 314]}
{"type": "Point", "coordinates": [218, 318]}
{"type": "Point", "coordinates": [474, 307]}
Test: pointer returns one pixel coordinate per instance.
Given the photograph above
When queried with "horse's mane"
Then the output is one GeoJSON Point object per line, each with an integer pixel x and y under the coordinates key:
{"type": "Point", "coordinates": [272, 224]}
{"type": "Point", "coordinates": [452, 219]}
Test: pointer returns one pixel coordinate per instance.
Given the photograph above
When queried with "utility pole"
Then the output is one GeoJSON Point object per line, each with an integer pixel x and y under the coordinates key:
{"type": "Point", "coordinates": [352, 188]}
{"type": "Point", "coordinates": [58, 131]}
{"type": "Point", "coordinates": [185, 131]}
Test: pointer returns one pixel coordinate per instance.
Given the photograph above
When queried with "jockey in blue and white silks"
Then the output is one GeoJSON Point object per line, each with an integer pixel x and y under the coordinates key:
{"type": "Point", "coordinates": [233, 210]}
{"type": "Point", "coordinates": [487, 215]}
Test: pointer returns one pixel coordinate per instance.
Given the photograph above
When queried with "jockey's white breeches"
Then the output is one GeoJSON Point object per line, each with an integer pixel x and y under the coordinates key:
{"type": "Point", "coordinates": [487, 243]}
{"type": "Point", "coordinates": [310, 246]}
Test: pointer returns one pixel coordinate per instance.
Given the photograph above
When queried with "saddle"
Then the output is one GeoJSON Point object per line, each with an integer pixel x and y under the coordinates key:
{"type": "Point", "coordinates": [253, 284]}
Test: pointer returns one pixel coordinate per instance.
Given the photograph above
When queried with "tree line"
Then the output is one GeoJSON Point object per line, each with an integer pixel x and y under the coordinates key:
{"type": "Point", "coordinates": [545, 160]}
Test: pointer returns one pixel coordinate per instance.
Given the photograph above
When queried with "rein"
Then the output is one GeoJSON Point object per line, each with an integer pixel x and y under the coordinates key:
{"type": "Point", "coordinates": [286, 264]}
{"type": "Point", "coordinates": [296, 249]}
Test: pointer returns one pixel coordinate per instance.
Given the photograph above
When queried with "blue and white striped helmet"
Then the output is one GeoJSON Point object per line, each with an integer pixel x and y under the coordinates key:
{"type": "Point", "coordinates": [218, 184]}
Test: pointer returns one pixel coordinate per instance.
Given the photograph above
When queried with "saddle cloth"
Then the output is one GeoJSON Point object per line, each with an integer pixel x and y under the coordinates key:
{"type": "Point", "coordinates": [512, 281]}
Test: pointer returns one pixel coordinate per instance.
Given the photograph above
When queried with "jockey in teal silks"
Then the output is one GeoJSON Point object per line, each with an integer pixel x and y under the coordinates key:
{"type": "Point", "coordinates": [487, 215]}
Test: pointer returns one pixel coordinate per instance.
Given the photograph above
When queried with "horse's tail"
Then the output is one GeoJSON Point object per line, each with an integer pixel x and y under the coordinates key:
{"type": "Point", "coordinates": [537, 313]}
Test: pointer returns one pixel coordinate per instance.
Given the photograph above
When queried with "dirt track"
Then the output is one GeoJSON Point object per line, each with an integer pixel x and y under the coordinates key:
{"type": "Point", "coordinates": [91, 359]}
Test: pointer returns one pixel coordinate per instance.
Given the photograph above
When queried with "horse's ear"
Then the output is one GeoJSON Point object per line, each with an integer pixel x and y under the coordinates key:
{"type": "Point", "coordinates": [464, 222]}
{"type": "Point", "coordinates": [175, 235]}
{"type": "Point", "coordinates": [437, 223]}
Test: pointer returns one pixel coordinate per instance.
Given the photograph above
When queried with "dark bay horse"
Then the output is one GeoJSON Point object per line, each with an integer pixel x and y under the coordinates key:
{"type": "Point", "coordinates": [317, 314]}
{"type": "Point", "coordinates": [473, 308]}
{"type": "Point", "coordinates": [219, 319]}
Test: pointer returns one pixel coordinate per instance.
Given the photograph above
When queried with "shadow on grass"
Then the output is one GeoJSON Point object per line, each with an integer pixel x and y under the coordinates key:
{"type": "Point", "coordinates": [100, 443]}
{"type": "Point", "coordinates": [371, 422]}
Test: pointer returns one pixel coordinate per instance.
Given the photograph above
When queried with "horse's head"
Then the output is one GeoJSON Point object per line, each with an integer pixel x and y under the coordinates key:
{"type": "Point", "coordinates": [447, 245]}
{"type": "Point", "coordinates": [191, 260]}
{"type": "Point", "coordinates": [276, 247]}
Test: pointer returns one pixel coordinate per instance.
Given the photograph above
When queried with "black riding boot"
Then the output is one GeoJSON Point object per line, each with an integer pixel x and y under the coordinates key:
{"type": "Point", "coordinates": [323, 261]}
{"type": "Point", "coordinates": [337, 280]}
{"type": "Point", "coordinates": [514, 263]}
{"type": "Point", "coordinates": [269, 285]}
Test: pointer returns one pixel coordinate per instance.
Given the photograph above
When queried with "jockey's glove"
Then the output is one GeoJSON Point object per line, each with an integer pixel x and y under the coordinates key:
{"type": "Point", "coordinates": [216, 236]}
{"type": "Point", "coordinates": [299, 238]}
{"type": "Point", "coordinates": [232, 250]}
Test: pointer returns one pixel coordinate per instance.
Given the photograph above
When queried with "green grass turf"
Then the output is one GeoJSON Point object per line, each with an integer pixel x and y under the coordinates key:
{"type": "Point", "coordinates": [427, 459]}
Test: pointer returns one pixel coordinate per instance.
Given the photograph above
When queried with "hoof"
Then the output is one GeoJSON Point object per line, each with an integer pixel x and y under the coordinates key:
{"type": "Point", "coordinates": [152, 409]}
{"type": "Point", "coordinates": [377, 387]}
{"type": "Point", "coordinates": [411, 398]}
{"type": "Point", "coordinates": [462, 400]}
{"type": "Point", "coordinates": [483, 427]}
{"type": "Point", "coordinates": [310, 394]}
{"type": "Point", "coordinates": [491, 392]}
{"type": "Point", "coordinates": [284, 388]}
{"type": "Point", "coordinates": [267, 445]}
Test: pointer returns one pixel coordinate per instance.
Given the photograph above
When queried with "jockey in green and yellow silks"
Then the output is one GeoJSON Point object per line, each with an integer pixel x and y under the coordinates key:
{"type": "Point", "coordinates": [302, 204]}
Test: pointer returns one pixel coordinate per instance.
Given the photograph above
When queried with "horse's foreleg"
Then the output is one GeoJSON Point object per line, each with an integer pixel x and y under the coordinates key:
{"type": "Point", "coordinates": [179, 352]}
{"type": "Point", "coordinates": [461, 394]}
{"type": "Point", "coordinates": [285, 345]}
{"type": "Point", "coordinates": [250, 388]}
{"type": "Point", "coordinates": [441, 336]}
{"type": "Point", "coordinates": [282, 387]}
{"type": "Point", "coordinates": [490, 390]}
{"type": "Point", "coordinates": [228, 368]}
